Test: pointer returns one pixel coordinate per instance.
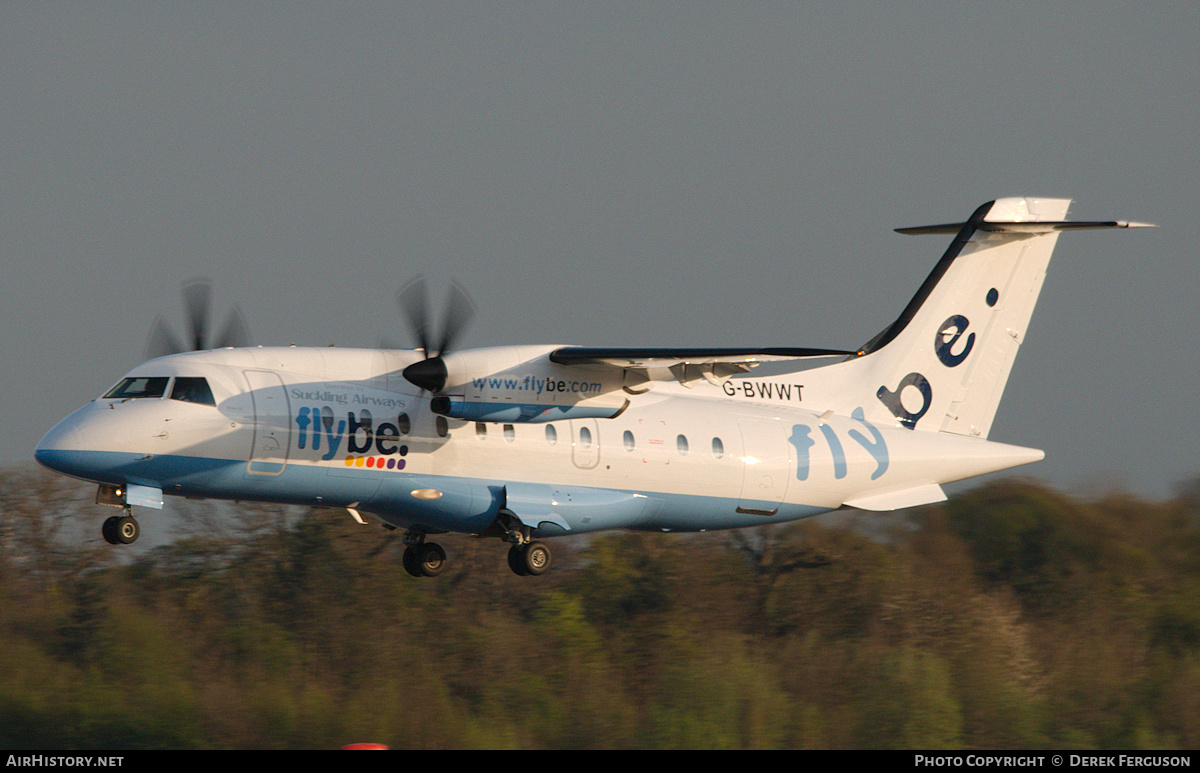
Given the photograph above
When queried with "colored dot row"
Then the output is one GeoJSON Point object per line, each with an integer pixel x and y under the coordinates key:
{"type": "Point", "coordinates": [378, 462]}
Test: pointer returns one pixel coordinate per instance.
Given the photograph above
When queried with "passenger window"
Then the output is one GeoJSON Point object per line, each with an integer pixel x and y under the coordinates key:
{"type": "Point", "coordinates": [404, 424]}
{"type": "Point", "coordinates": [629, 442]}
{"type": "Point", "coordinates": [585, 437]}
{"type": "Point", "coordinates": [551, 434]}
{"type": "Point", "coordinates": [480, 430]}
{"type": "Point", "coordinates": [682, 444]}
{"type": "Point", "coordinates": [190, 389]}
{"type": "Point", "coordinates": [718, 448]}
{"type": "Point", "coordinates": [510, 434]}
{"type": "Point", "coordinates": [138, 387]}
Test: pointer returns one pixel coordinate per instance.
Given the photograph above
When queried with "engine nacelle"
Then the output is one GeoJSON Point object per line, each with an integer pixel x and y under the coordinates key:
{"type": "Point", "coordinates": [519, 384]}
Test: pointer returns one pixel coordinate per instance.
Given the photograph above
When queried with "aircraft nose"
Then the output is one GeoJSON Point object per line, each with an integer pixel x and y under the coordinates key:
{"type": "Point", "coordinates": [61, 448]}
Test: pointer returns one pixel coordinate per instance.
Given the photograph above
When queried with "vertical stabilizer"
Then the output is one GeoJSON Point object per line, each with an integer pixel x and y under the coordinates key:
{"type": "Point", "coordinates": [943, 363]}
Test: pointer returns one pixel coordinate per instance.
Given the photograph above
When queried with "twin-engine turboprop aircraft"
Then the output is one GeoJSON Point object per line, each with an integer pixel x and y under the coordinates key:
{"type": "Point", "coordinates": [529, 442]}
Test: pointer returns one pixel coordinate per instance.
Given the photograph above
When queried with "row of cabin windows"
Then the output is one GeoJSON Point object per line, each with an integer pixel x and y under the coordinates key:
{"type": "Point", "coordinates": [585, 437]}
{"type": "Point", "coordinates": [510, 434]}
{"type": "Point", "coordinates": [681, 444]}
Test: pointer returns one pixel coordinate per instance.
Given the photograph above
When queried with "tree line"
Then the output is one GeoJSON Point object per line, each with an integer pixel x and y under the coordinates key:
{"type": "Point", "coordinates": [1012, 616]}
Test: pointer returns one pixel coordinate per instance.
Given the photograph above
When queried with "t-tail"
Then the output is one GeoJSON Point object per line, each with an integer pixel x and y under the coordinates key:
{"type": "Point", "coordinates": [942, 365]}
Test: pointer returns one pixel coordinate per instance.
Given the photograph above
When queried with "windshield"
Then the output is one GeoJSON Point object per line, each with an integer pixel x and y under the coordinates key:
{"type": "Point", "coordinates": [192, 389]}
{"type": "Point", "coordinates": [138, 386]}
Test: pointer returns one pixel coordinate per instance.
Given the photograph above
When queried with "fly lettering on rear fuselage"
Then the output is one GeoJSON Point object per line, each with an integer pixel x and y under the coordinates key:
{"type": "Point", "coordinates": [801, 439]}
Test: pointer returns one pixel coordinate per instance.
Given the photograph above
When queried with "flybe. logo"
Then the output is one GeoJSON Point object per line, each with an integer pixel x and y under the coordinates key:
{"type": "Point", "coordinates": [366, 444]}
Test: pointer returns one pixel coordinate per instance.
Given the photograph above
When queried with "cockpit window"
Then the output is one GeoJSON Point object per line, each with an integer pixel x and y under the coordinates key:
{"type": "Point", "coordinates": [139, 386]}
{"type": "Point", "coordinates": [192, 389]}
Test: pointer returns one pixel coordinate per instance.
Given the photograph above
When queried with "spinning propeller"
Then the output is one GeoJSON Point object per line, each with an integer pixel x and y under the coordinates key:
{"type": "Point", "coordinates": [430, 373]}
{"type": "Point", "coordinates": [197, 304]}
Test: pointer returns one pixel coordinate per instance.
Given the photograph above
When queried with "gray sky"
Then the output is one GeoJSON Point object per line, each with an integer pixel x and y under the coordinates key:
{"type": "Point", "coordinates": [691, 174]}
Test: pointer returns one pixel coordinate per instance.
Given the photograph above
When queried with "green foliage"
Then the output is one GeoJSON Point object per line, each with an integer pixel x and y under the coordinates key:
{"type": "Point", "coordinates": [911, 704]}
{"type": "Point", "coordinates": [1011, 617]}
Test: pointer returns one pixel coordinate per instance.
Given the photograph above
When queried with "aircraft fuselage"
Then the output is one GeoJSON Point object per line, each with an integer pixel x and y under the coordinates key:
{"type": "Point", "coordinates": [708, 456]}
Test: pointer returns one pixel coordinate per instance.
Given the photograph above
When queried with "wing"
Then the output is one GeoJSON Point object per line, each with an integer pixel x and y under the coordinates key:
{"type": "Point", "coordinates": [649, 357]}
{"type": "Point", "coordinates": [686, 365]}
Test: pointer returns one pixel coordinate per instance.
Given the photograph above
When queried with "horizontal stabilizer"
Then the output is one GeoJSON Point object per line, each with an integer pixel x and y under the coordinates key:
{"type": "Point", "coordinates": [898, 500]}
{"type": "Point", "coordinates": [1027, 227]}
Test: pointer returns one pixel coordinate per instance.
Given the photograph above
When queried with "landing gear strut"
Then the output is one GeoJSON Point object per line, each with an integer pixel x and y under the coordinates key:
{"type": "Point", "coordinates": [421, 558]}
{"type": "Point", "coordinates": [526, 557]}
{"type": "Point", "coordinates": [121, 529]}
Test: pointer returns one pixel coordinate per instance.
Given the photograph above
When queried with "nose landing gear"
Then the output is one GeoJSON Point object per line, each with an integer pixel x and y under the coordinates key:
{"type": "Point", "coordinates": [121, 529]}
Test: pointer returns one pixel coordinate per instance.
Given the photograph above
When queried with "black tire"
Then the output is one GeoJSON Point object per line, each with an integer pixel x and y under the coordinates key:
{"type": "Point", "coordinates": [109, 530]}
{"type": "Point", "coordinates": [432, 559]}
{"type": "Point", "coordinates": [516, 561]}
{"type": "Point", "coordinates": [127, 529]}
{"type": "Point", "coordinates": [411, 564]}
{"type": "Point", "coordinates": [536, 558]}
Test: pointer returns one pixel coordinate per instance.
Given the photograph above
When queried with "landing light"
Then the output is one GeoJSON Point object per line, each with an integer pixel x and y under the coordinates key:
{"type": "Point", "coordinates": [427, 493]}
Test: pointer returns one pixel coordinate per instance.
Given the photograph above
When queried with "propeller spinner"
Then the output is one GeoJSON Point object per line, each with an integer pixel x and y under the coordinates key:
{"type": "Point", "coordinates": [197, 304]}
{"type": "Point", "coordinates": [430, 373]}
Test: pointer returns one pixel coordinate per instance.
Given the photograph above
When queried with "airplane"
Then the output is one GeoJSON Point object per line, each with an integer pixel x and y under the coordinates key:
{"type": "Point", "coordinates": [532, 442]}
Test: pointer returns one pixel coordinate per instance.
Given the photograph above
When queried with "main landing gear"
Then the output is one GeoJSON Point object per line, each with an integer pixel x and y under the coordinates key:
{"type": "Point", "coordinates": [421, 558]}
{"type": "Point", "coordinates": [121, 529]}
{"type": "Point", "coordinates": [526, 557]}
{"type": "Point", "coordinates": [529, 559]}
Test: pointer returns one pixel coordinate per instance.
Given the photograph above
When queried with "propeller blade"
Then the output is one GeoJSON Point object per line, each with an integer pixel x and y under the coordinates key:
{"type": "Point", "coordinates": [460, 310]}
{"type": "Point", "coordinates": [197, 301]}
{"type": "Point", "coordinates": [430, 374]}
{"type": "Point", "coordinates": [162, 341]}
{"type": "Point", "coordinates": [412, 300]}
{"type": "Point", "coordinates": [235, 333]}
{"type": "Point", "coordinates": [197, 304]}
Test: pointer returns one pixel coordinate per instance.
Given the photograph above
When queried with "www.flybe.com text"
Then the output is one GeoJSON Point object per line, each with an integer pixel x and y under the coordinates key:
{"type": "Point", "coordinates": [536, 385]}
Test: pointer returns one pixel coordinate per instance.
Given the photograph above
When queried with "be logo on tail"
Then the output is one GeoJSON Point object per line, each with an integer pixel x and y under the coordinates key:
{"type": "Point", "coordinates": [944, 344]}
